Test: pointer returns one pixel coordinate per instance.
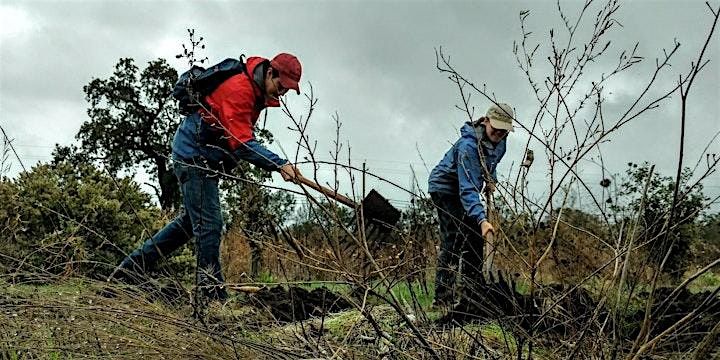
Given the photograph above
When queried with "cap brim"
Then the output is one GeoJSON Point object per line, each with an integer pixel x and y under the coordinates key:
{"type": "Point", "coordinates": [500, 125]}
{"type": "Point", "coordinates": [290, 84]}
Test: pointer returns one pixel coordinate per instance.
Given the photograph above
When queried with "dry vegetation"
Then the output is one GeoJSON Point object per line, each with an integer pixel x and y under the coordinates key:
{"type": "Point", "coordinates": [590, 283]}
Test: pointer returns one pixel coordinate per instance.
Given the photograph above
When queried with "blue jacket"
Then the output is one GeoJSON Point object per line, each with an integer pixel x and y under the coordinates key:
{"type": "Point", "coordinates": [197, 141]}
{"type": "Point", "coordinates": [460, 172]}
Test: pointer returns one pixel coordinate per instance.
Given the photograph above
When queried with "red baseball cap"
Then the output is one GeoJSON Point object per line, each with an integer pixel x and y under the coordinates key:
{"type": "Point", "coordinates": [290, 70]}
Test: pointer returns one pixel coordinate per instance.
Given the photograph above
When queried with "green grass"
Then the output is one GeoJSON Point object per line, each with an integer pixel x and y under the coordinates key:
{"type": "Point", "coordinates": [64, 289]}
{"type": "Point", "coordinates": [339, 325]}
{"type": "Point", "coordinates": [57, 321]}
{"type": "Point", "coordinates": [402, 291]}
{"type": "Point", "coordinates": [522, 287]}
{"type": "Point", "coordinates": [336, 287]}
{"type": "Point", "coordinates": [266, 278]}
{"type": "Point", "coordinates": [69, 319]}
{"type": "Point", "coordinates": [705, 282]}
{"type": "Point", "coordinates": [414, 292]}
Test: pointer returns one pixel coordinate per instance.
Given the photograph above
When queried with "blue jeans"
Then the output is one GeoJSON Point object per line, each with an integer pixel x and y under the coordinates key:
{"type": "Point", "coordinates": [460, 240]}
{"type": "Point", "coordinates": [201, 218]}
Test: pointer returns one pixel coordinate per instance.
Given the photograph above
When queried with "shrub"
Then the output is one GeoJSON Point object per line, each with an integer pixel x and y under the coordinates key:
{"type": "Point", "coordinates": [63, 218]}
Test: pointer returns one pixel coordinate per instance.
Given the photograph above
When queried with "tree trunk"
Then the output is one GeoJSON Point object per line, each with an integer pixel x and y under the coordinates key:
{"type": "Point", "coordinates": [256, 262]}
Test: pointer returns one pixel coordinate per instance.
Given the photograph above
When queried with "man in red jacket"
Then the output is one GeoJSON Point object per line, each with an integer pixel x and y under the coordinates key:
{"type": "Point", "coordinates": [212, 140]}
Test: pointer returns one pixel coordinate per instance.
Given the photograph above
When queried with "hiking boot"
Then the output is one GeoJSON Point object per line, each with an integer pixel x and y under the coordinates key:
{"type": "Point", "coordinates": [443, 298]}
{"type": "Point", "coordinates": [208, 302]}
{"type": "Point", "coordinates": [120, 276]}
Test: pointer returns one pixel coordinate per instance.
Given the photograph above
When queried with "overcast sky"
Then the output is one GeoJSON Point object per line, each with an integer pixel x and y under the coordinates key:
{"type": "Point", "coordinates": [371, 62]}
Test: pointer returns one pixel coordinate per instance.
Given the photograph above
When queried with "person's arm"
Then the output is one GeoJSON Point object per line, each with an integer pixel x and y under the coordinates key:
{"type": "Point", "coordinates": [234, 104]}
{"type": "Point", "coordinates": [470, 179]}
{"type": "Point", "coordinates": [255, 153]}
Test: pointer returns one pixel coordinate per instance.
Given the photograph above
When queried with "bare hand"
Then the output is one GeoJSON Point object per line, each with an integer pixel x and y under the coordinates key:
{"type": "Point", "coordinates": [489, 188]}
{"type": "Point", "coordinates": [289, 172]}
{"type": "Point", "coordinates": [486, 228]}
{"type": "Point", "coordinates": [488, 233]}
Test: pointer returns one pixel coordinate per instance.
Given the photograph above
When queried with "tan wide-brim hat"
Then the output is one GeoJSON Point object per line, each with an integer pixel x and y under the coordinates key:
{"type": "Point", "coordinates": [501, 117]}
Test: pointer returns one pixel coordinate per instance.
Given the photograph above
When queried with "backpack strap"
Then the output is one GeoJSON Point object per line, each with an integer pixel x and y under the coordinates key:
{"type": "Point", "coordinates": [259, 101]}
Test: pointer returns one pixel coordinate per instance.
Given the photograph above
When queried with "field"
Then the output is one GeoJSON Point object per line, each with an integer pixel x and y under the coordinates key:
{"type": "Point", "coordinates": [80, 318]}
{"type": "Point", "coordinates": [584, 224]}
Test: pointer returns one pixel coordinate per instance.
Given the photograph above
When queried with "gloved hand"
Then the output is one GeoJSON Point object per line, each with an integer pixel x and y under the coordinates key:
{"type": "Point", "coordinates": [486, 228]}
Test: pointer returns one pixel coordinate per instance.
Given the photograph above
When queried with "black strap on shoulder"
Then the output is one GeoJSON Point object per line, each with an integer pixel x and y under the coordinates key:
{"type": "Point", "coordinates": [259, 101]}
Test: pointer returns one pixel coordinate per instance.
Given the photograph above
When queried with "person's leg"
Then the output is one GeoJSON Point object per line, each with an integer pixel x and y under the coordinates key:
{"type": "Point", "coordinates": [201, 199]}
{"type": "Point", "coordinates": [450, 245]}
{"type": "Point", "coordinates": [168, 239]}
{"type": "Point", "coordinates": [472, 255]}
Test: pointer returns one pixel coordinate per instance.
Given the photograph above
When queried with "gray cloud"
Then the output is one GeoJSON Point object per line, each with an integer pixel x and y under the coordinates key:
{"type": "Point", "coordinates": [372, 62]}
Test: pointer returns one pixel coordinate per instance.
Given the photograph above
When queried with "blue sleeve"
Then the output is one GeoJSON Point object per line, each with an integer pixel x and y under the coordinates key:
{"type": "Point", "coordinates": [470, 179]}
{"type": "Point", "coordinates": [253, 152]}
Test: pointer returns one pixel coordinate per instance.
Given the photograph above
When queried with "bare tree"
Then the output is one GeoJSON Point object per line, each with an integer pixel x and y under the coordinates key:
{"type": "Point", "coordinates": [570, 125]}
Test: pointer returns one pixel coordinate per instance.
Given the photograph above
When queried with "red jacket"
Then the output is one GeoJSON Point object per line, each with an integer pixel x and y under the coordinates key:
{"type": "Point", "coordinates": [237, 103]}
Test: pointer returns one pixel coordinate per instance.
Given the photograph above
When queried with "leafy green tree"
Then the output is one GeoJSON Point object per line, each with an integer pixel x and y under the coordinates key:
{"type": "Point", "coordinates": [655, 214]}
{"type": "Point", "coordinates": [707, 246]}
{"type": "Point", "coordinates": [132, 122]}
{"type": "Point", "coordinates": [69, 154]}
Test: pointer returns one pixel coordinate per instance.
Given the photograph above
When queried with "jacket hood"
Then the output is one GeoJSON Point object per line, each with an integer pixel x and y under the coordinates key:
{"type": "Point", "coordinates": [252, 63]}
{"type": "Point", "coordinates": [468, 131]}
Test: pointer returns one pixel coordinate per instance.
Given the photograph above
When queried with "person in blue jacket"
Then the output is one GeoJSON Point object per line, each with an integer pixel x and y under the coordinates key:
{"type": "Point", "coordinates": [456, 185]}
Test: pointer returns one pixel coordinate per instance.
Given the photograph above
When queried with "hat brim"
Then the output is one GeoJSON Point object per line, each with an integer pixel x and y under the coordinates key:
{"type": "Point", "coordinates": [502, 125]}
{"type": "Point", "coordinates": [290, 84]}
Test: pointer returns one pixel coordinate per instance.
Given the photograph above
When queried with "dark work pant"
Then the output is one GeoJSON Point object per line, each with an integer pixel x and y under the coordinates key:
{"type": "Point", "coordinates": [201, 218]}
{"type": "Point", "coordinates": [460, 241]}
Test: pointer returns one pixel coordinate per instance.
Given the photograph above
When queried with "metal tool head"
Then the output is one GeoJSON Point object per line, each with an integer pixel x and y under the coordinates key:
{"type": "Point", "coordinates": [378, 211]}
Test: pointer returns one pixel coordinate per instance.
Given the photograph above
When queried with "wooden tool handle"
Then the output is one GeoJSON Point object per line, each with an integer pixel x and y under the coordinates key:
{"type": "Point", "coordinates": [330, 193]}
{"type": "Point", "coordinates": [489, 248]}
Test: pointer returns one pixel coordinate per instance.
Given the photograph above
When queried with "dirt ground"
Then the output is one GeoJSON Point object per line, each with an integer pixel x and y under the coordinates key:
{"type": "Point", "coordinates": [296, 303]}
